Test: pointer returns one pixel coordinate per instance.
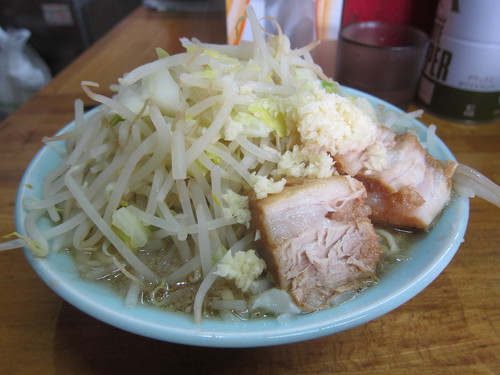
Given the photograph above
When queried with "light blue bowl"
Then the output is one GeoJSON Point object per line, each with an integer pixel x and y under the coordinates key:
{"type": "Point", "coordinates": [428, 258]}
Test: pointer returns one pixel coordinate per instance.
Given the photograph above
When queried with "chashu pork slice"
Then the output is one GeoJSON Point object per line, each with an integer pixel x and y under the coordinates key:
{"type": "Point", "coordinates": [406, 186]}
{"type": "Point", "coordinates": [317, 239]}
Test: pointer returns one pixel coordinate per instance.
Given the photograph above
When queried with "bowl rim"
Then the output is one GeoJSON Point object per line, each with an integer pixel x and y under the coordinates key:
{"type": "Point", "coordinates": [397, 286]}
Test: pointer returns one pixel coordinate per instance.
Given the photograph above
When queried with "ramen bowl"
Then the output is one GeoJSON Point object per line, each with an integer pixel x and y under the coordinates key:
{"type": "Point", "coordinates": [427, 257]}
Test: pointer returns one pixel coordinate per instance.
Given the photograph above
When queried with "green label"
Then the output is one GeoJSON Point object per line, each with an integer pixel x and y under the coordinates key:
{"type": "Point", "coordinates": [459, 104]}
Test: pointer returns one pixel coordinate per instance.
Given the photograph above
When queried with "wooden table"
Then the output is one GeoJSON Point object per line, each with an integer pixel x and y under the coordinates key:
{"type": "Point", "coordinates": [452, 327]}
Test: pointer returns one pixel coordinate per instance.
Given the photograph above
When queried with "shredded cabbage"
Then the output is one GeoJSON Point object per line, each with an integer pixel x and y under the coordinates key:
{"type": "Point", "coordinates": [130, 228]}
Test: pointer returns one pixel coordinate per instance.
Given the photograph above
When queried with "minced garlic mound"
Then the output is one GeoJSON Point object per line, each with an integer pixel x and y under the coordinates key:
{"type": "Point", "coordinates": [333, 123]}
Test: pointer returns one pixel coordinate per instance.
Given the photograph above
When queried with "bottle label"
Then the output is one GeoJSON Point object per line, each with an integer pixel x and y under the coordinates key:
{"type": "Point", "coordinates": [461, 78]}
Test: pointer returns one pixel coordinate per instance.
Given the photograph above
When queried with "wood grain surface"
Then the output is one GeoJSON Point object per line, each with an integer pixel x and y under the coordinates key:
{"type": "Point", "coordinates": [452, 327]}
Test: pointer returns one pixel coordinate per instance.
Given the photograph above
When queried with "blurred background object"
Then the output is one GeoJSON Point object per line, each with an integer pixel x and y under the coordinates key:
{"type": "Point", "coordinates": [62, 29]}
{"type": "Point", "coordinates": [185, 5]}
{"type": "Point", "coordinates": [303, 21]}
{"type": "Point", "coordinates": [22, 70]}
{"type": "Point", "coordinates": [417, 13]}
